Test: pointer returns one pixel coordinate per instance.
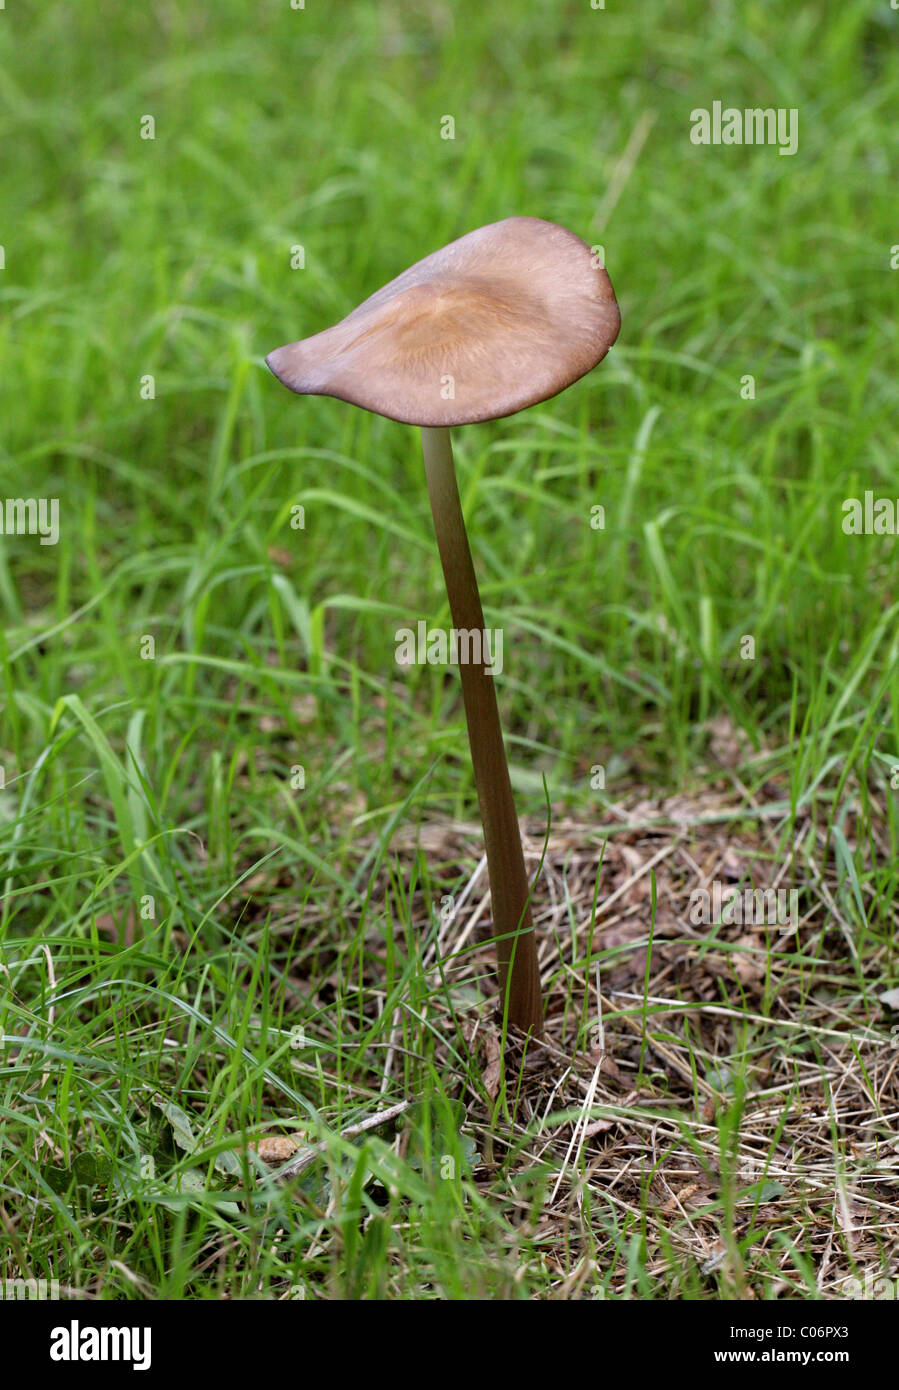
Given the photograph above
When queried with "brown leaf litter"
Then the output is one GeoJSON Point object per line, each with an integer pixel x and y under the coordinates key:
{"type": "Point", "coordinates": [732, 1064]}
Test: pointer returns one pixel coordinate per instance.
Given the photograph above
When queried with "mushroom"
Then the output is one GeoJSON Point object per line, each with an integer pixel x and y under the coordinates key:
{"type": "Point", "coordinates": [504, 317]}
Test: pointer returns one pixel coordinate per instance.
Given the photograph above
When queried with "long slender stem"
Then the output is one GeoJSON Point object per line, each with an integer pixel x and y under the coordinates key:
{"type": "Point", "coordinates": [516, 950]}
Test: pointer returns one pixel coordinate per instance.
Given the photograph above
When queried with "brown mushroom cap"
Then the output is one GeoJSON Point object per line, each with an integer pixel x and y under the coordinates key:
{"type": "Point", "coordinates": [506, 316]}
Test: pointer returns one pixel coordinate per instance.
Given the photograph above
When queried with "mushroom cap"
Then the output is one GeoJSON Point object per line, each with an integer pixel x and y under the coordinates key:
{"type": "Point", "coordinates": [506, 316]}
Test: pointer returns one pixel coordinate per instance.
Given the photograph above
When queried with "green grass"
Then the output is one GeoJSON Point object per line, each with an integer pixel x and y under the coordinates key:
{"type": "Point", "coordinates": [174, 905]}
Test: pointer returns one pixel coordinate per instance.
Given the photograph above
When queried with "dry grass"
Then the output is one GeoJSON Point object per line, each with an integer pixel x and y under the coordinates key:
{"type": "Point", "coordinates": [729, 1092]}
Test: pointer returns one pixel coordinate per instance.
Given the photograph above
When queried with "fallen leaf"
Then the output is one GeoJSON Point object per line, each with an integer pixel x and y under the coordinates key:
{"type": "Point", "coordinates": [276, 1148]}
{"type": "Point", "coordinates": [597, 1127]}
{"type": "Point", "coordinates": [493, 1071]}
{"type": "Point", "coordinates": [748, 960]}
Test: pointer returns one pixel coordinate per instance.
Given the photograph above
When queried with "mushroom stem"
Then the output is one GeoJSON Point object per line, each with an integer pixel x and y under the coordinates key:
{"type": "Point", "coordinates": [516, 950]}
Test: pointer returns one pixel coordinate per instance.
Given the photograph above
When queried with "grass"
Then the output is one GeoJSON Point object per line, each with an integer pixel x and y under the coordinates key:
{"type": "Point", "coordinates": [229, 822]}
